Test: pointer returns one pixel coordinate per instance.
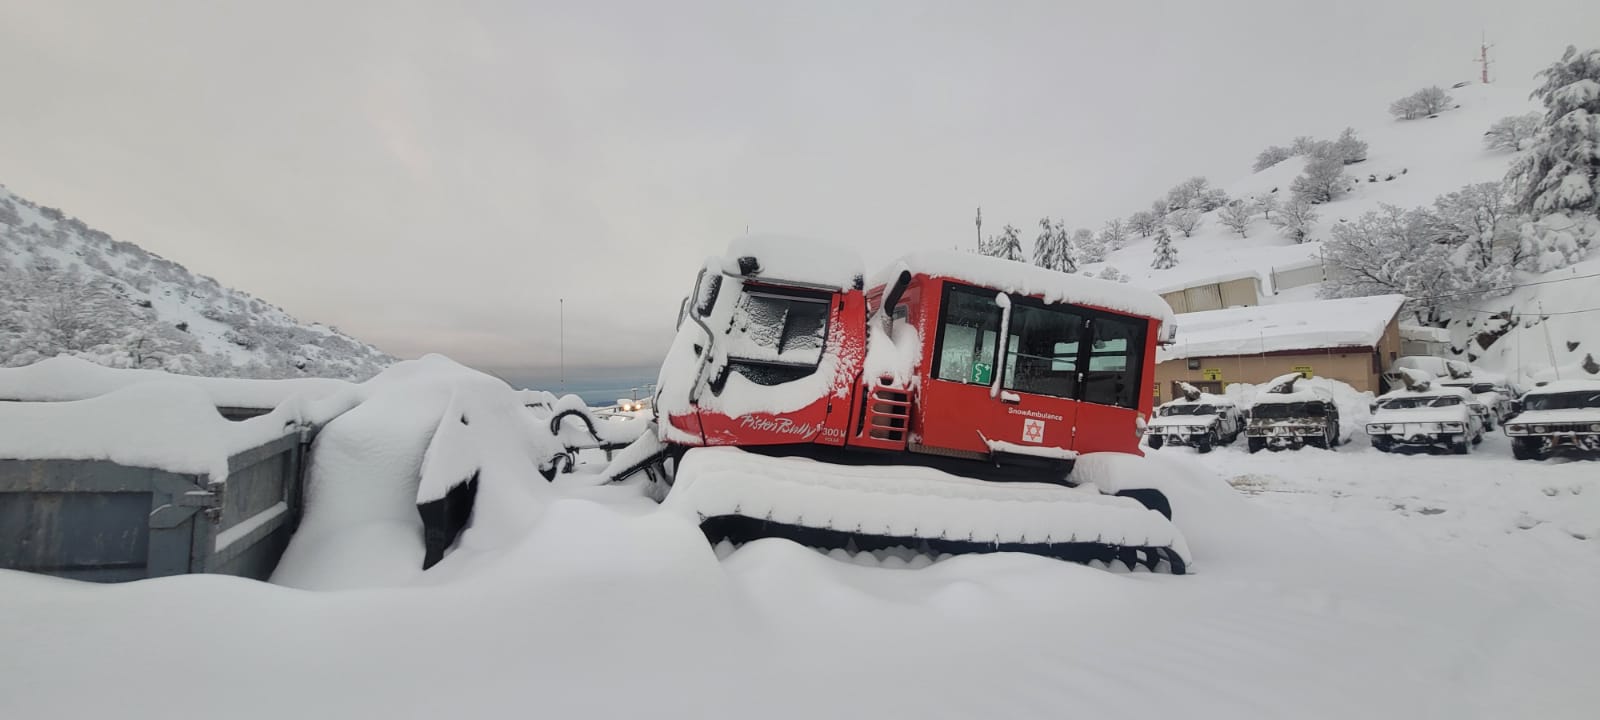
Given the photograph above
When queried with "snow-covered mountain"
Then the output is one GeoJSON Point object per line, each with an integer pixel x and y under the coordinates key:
{"type": "Point", "coordinates": [66, 288]}
{"type": "Point", "coordinates": [1548, 325]}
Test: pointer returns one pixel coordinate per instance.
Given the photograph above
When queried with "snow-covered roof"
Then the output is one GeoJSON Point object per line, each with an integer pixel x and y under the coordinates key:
{"type": "Point", "coordinates": [795, 259]}
{"type": "Point", "coordinates": [1024, 279]}
{"type": "Point", "coordinates": [1321, 324]}
{"type": "Point", "coordinates": [1424, 334]}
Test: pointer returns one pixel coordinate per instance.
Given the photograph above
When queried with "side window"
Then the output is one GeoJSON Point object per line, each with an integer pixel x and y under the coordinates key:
{"type": "Point", "coordinates": [1115, 362]}
{"type": "Point", "coordinates": [777, 337]}
{"type": "Point", "coordinates": [1045, 344]}
{"type": "Point", "coordinates": [967, 344]}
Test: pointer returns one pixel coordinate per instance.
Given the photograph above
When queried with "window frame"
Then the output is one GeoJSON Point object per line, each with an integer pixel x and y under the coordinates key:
{"type": "Point", "coordinates": [1135, 351]}
{"type": "Point", "coordinates": [826, 300]}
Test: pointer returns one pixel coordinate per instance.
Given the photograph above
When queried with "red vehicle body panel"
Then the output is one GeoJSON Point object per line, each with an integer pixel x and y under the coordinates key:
{"type": "Point", "coordinates": [946, 417]}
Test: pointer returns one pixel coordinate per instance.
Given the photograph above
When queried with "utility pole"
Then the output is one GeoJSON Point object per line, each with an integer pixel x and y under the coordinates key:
{"type": "Point", "coordinates": [561, 319]}
{"type": "Point", "coordinates": [979, 223]}
{"type": "Point", "coordinates": [1483, 57]}
{"type": "Point", "coordinates": [1548, 346]}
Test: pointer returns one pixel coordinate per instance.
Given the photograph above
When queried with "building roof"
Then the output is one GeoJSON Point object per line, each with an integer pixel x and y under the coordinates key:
{"type": "Point", "coordinates": [1424, 334]}
{"type": "Point", "coordinates": [1316, 325]}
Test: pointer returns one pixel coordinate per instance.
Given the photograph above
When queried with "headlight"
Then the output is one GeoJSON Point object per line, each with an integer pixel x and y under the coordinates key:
{"type": "Point", "coordinates": [1376, 429]}
{"type": "Point", "coordinates": [1452, 425]}
{"type": "Point", "coordinates": [1540, 429]}
{"type": "Point", "coordinates": [1594, 427]}
{"type": "Point", "coordinates": [1516, 429]}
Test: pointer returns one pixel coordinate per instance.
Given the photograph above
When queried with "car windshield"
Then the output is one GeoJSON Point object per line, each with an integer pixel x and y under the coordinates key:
{"type": "Point", "coordinates": [1482, 387]}
{"type": "Point", "coordinates": [1562, 401]}
{"type": "Point", "coordinates": [1403, 403]}
{"type": "Point", "coordinates": [1279, 411]}
{"type": "Point", "coordinates": [1171, 410]}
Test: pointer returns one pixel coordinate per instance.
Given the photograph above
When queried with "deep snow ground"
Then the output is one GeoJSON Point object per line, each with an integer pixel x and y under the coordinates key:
{"type": "Point", "coordinates": [1344, 584]}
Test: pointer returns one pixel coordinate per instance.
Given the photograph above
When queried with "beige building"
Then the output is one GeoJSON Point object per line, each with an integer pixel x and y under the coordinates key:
{"type": "Point", "coordinates": [1224, 291]}
{"type": "Point", "coordinates": [1351, 340]}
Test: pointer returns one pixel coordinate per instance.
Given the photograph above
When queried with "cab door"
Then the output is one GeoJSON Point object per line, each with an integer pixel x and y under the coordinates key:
{"type": "Point", "coordinates": [975, 394]}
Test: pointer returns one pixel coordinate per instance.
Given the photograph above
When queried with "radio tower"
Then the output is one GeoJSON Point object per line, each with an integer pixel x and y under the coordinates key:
{"type": "Point", "coordinates": [1483, 57]}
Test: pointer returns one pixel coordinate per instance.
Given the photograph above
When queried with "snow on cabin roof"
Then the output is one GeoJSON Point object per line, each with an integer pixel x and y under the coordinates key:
{"type": "Point", "coordinates": [68, 378]}
{"type": "Point", "coordinates": [795, 259]}
{"type": "Point", "coordinates": [1024, 279]}
{"type": "Point", "coordinates": [1322, 324]}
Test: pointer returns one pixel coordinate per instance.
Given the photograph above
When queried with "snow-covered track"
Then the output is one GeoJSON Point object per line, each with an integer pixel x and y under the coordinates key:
{"type": "Point", "coordinates": [738, 496]}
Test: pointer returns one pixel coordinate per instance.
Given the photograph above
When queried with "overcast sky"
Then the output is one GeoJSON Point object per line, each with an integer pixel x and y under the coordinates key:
{"type": "Point", "coordinates": [433, 177]}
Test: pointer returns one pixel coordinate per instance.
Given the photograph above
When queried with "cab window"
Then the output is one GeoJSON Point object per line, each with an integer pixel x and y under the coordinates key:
{"type": "Point", "coordinates": [1044, 350]}
{"type": "Point", "coordinates": [1115, 360]}
{"type": "Point", "coordinates": [778, 337]}
{"type": "Point", "coordinates": [970, 327]}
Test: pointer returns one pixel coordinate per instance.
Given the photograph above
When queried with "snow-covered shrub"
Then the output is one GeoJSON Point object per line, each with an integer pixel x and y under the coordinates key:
{"type": "Point", "coordinates": [1111, 273]}
{"type": "Point", "coordinates": [1185, 220]}
{"type": "Point", "coordinates": [1349, 148]}
{"type": "Point", "coordinates": [1295, 219]}
{"type": "Point", "coordinates": [1114, 236]}
{"type": "Point", "coordinates": [1427, 101]}
{"type": "Point", "coordinates": [1512, 131]}
{"type": "Point", "coordinates": [1561, 170]}
{"type": "Point", "coordinates": [1087, 248]}
{"type": "Point", "coordinates": [1195, 193]}
{"type": "Point", "coordinates": [1557, 240]}
{"type": "Point", "coordinates": [1324, 180]}
{"type": "Point", "coordinates": [1266, 204]}
{"type": "Point", "coordinates": [1166, 256]}
{"type": "Point", "coordinates": [1236, 217]}
{"type": "Point", "coordinates": [1144, 222]}
{"type": "Point", "coordinates": [1271, 156]}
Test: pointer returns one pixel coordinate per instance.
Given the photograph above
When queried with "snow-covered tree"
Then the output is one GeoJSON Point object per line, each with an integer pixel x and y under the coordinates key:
{"type": "Point", "coordinates": [1478, 219]}
{"type": "Point", "coordinates": [1273, 155]}
{"type": "Point", "coordinates": [1266, 204]}
{"type": "Point", "coordinates": [1510, 132]}
{"type": "Point", "coordinates": [1185, 220]}
{"type": "Point", "coordinates": [1426, 101]}
{"type": "Point", "coordinates": [1114, 236]}
{"type": "Point", "coordinates": [1144, 222]}
{"type": "Point", "coordinates": [1324, 180]}
{"type": "Point", "coordinates": [1561, 171]}
{"type": "Point", "coordinates": [1166, 256]}
{"type": "Point", "coordinates": [1195, 193]}
{"type": "Point", "coordinates": [1086, 247]}
{"type": "Point", "coordinates": [1053, 249]}
{"type": "Point", "coordinates": [1304, 145]}
{"type": "Point", "coordinates": [1236, 217]}
{"type": "Point", "coordinates": [1008, 246]}
{"type": "Point", "coordinates": [1295, 219]}
{"type": "Point", "coordinates": [1349, 148]}
{"type": "Point", "coordinates": [1393, 250]}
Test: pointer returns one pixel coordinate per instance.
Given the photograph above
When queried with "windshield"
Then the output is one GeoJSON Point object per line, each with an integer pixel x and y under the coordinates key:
{"type": "Point", "coordinates": [1483, 387]}
{"type": "Point", "coordinates": [1405, 403]}
{"type": "Point", "coordinates": [1278, 411]}
{"type": "Point", "coordinates": [1171, 410]}
{"type": "Point", "coordinates": [1562, 401]}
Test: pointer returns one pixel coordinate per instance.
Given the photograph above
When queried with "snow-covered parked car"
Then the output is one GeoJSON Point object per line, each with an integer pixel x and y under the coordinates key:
{"type": "Point", "coordinates": [1199, 419]}
{"type": "Point", "coordinates": [1561, 417]}
{"type": "Point", "coordinates": [1491, 400]}
{"type": "Point", "coordinates": [1426, 416]}
{"type": "Point", "coordinates": [1286, 417]}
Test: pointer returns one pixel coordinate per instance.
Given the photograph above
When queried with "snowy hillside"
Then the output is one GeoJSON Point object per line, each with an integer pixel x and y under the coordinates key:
{"type": "Point", "coordinates": [66, 288]}
{"type": "Point", "coordinates": [1539, 321]}
{"type": "Point", "coordinates": [1425, 158]}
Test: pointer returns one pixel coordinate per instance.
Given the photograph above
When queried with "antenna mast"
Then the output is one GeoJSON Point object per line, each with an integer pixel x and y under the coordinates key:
{"type": "Point", "coordinates": [1483, 57]}
{"type": "Point", "coordinates": [979, 223]}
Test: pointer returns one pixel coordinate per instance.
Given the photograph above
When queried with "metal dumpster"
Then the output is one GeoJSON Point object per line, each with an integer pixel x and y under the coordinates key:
{"type": "Point", "coordinates": [100, 521]}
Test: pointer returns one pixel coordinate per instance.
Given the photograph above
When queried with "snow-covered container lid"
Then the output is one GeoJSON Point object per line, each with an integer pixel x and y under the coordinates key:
{"type": "Point", "coordinates": [1023, 279]}
{"type": "Point", "coordinates": [783, 258]}
{"type": "Point", "coordinates": [1315, 325]}
{"type": "Point", "coordinates": [68, 378]}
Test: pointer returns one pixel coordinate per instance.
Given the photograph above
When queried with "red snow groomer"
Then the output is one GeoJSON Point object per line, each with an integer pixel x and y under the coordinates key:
{"type": "Point", "coordinates": [940, 406]}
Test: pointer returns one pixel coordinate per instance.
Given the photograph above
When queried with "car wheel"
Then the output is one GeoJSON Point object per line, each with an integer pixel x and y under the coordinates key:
{"type": "Point", "coordinates": [1206, 442]}
{"type": "Point", "coordinates": [1381, 444]}
{"type": "Point", "coordinates": [1460, 446]}
{"type": "Point", "coordinates": [1255, 445]}
{"type": "Point", "coordinates": [1476, 439]}
{"type": "Point", "coordinates": [1156, 442]}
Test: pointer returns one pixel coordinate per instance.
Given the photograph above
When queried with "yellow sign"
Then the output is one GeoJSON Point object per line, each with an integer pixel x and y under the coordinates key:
{"type": "Point", "coordinates": [1304, 370]}
{"type": "Point", "coordinates": [1212, 374]}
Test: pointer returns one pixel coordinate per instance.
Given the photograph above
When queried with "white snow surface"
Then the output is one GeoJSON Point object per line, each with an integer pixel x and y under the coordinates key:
{"type": "Point", "coordinates": [69, 378]}
{"type": "Point", "coordinates": [1314, 325]}
{"type": "Point", "coordinates": [165, 426]}
{"type": "Point", "coordinates": [1331, 585]}
{"type": "Point", "coordinates": [1025, 279]}
{"type": "Point", "coordinates": [795, 259]}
